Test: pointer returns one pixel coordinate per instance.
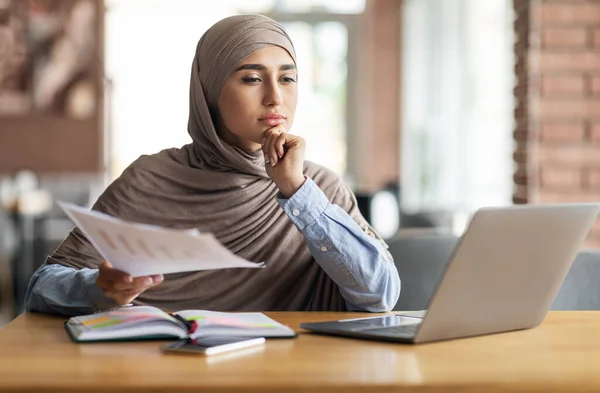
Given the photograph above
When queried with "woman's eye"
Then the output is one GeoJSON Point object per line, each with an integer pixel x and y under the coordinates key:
{"type": "Point", "coordinates": [288, 79]}
{"type": "Point", "coordinates": [251, 80]}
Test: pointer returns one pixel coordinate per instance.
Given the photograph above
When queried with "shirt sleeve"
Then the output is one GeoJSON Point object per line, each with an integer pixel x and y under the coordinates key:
{"type": "Point", "coordinates": [355, 258]}
{"type": "Point", "coordinates": [57, 289]}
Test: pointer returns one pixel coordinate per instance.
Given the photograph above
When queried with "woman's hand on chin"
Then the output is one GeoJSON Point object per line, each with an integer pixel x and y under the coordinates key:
{"type": "Point", "coordinates": [284, 159]}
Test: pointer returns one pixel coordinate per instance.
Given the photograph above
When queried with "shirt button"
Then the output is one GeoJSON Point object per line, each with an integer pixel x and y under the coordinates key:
{"type": "Point", "coordinates": [296, 213]}
{"type": "Point", "coordinates": [323, 248]}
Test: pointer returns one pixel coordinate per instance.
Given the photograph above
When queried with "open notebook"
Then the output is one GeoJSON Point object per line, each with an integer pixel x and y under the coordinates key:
{"type": "Point", "coordinates": [148, 323]}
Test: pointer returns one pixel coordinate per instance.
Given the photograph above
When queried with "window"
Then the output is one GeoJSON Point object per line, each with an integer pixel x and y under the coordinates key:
{"type": "Point", "coordinates": [457, 105]}
{"type": "Point", "coordinates": [149, 48]}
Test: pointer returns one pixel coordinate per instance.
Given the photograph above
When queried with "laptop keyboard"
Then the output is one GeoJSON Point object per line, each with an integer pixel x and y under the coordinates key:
{"type": "Point", "coordinates": [400, 331]}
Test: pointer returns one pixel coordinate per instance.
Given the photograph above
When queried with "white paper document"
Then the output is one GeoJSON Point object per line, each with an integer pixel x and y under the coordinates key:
{"type": "Point", "coordinates": [141, 250]}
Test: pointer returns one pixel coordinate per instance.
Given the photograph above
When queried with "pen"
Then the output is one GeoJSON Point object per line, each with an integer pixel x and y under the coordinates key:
{"type": "Point", "coordinates": [190, 325]}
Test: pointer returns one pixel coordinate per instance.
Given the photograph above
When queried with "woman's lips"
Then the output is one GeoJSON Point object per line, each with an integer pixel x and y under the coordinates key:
{"type": "Point", "coordinates": [272, 120]}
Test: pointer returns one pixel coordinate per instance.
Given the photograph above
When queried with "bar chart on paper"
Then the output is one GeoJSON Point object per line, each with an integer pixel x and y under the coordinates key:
{"type": "Point", "coordinates": [141, 249]}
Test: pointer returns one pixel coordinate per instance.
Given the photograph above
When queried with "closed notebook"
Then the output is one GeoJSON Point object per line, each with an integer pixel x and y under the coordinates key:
{"type": "Point", "coordinates": [148, 323]}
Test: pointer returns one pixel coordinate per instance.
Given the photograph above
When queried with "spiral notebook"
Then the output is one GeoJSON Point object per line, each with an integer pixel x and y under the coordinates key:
{"type": "Point", "coordinates": [151, 323]}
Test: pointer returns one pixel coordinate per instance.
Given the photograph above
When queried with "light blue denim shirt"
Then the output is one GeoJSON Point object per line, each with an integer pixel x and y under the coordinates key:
{"type": "Point", "coordinates": [356, 261]}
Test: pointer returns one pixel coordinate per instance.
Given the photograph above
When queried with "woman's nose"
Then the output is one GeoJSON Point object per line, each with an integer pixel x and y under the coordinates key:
{"type": "Point", "coordinates": [273, 96]}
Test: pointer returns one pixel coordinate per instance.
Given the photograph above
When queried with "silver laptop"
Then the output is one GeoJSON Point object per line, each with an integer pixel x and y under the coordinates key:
{"type": "Point", "coordinates": [503, 275]}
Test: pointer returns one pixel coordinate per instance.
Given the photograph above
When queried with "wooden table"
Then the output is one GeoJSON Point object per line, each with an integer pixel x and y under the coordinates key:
{"type": "Point", "coordinates": [561, 355]}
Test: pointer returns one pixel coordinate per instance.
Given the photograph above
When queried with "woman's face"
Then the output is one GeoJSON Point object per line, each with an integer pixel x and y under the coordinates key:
{"type": "Point", "coordinates": [261, 93]}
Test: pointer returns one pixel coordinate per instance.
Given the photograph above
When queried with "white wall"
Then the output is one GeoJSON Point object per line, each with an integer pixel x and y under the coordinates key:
{"type": "Point", "coordinates": [150, 71]}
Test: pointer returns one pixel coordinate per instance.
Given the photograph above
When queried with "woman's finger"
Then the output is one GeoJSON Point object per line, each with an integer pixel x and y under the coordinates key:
{"type": "Point", "coordinates": [279, 144]}
{"type": "Point", "coordinates": [103, 283]}
{"type": "Point", "coordinates": [119, 285]}
{"type": "Point", "coordinates": [140, 284]}
{"type": "Point", "coordinates": [107, 284]}
{"type": "Point", "coordinates": [105, 280]}
{"type": "Point", "coordinates": [264, 142]}
{"type": "Point", "coordinates": [117, 281]}
{"type": "Point", "coordinates": [113, 274]}
{"type": "Point", "coordinates": [271, 150]}
{"type": "Point", "coordinates": [266, 146]}
{"type": "Point", "coordinates": [278, 135]}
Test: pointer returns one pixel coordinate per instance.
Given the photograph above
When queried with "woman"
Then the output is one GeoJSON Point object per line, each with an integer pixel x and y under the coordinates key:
{"type": "Point", "coordinates": [244, 179]}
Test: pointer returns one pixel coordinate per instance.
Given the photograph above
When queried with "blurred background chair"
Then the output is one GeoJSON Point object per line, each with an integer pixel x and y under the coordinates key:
{"type": "Point", "coordinates": [7, 249]}
{"type": "Point", "coordinates": [33, 225]}
{"type": "Point", "coordinates": [421, 257]}
{"type": "Point", "coordinates": [581, 288]}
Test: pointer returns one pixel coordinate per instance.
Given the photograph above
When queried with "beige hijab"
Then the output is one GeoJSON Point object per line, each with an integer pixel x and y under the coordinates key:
{"type": "Point", "coordinates": [218, 188]}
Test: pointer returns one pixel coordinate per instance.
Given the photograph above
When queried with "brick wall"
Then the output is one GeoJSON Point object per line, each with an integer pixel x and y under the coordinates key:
{"type": "Point", "coordinates": [375, 149]}
{"type": "Point", "coordinates": [51, 143]}
{"type": "Point", "coordinates": [524, 174]}
{"type": "Point", "coordinates": [558, 143]}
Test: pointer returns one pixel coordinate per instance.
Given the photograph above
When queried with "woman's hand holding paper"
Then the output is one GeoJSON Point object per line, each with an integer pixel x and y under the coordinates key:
{"type": "Point", "coordinates": [120, 286]}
